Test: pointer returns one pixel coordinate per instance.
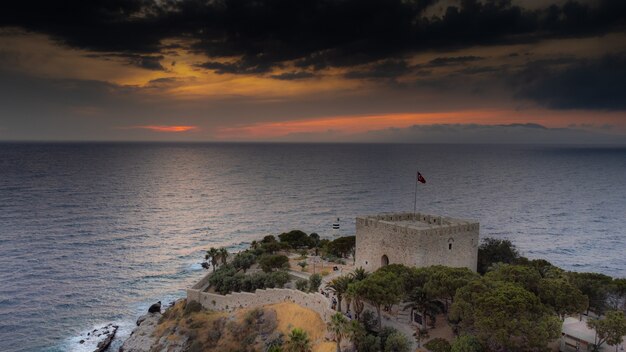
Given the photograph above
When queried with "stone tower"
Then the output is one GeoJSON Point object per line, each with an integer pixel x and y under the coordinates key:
{"type": "Point", "coordinates": [415, 240]}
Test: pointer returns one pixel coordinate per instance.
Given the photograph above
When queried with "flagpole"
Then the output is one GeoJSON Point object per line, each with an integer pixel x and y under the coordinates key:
{"type": "Point", "coordinates": [415, 196]}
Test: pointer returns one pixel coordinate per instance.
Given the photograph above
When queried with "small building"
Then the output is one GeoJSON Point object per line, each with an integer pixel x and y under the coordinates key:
{"type": "Point", "coordinates": [576, 336]}
{"type": "Point", "coordinates": [415, 239]}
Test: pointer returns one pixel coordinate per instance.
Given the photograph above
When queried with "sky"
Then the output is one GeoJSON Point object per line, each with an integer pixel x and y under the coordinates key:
{"type": "Point", "coordinates": [414, 71]}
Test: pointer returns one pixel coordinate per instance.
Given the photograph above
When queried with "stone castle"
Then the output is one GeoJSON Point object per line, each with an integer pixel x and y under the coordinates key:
{"type": "Point", "coordinates": [415, 239]}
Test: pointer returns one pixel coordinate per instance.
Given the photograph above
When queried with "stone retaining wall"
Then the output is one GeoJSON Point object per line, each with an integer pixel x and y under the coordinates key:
{"type": "Point", "coordinates": [238, 300]}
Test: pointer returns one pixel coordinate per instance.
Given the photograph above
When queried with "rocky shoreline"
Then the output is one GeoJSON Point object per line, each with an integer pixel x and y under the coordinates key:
{"type": "Point", "coordinates": [100, 338]}
{"type": "Point", "coordinates": [141, 339]}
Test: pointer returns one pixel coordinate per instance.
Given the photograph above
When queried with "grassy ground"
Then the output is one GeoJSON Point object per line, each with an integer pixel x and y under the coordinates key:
{"type": "Point", "coordinates": [244, 330]}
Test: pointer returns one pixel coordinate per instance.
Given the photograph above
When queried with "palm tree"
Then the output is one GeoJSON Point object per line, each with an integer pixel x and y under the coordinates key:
{"type": "Point", "coordinates": [298, 341]}
{"type": "Point", "coordinates": [423, 302]}
{"type": "Point", "coordinates": [214, 255]}
{"type": "Point", "coordinates": [339, 286]}
{"type": "Point", "coordinates": [359, 274]}
{"type": "Point", "coordinates": [356, 300]}
{"type": "Point", "coordinates": [223, 255]}
{"type": "Point", "coordinates": [339, 326]}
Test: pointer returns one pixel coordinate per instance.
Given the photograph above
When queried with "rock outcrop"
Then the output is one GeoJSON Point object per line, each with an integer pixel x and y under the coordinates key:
{"type": "Point", "coordinates": [155, 308]}
{"type": "Point", "coordinates": [142, 339]}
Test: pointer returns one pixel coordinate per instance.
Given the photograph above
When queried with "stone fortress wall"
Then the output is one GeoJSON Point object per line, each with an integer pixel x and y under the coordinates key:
{"type": "Point", "coordinates": [237, 300]}
{"type": "Point", "coordinates": [415, 240]}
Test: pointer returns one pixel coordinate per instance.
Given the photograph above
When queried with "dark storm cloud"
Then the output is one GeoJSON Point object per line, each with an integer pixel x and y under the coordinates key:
{"type": "Point", "coordinates": [386, 69]}
{"type": "Point", "coordinates": [590, 84]}
{"type": "Point", "coordinates": [239, 67]}
{"type": "Point", "coordinates": [149, 62]}
{"type": "Point", "coordinates": [314, 33]}
{"type": "Point", "coordinates": [451, 61]}
{"type": "Point", "coordinates": [291, 76]}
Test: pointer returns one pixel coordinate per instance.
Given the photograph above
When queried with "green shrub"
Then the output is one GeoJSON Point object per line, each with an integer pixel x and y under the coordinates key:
{"type": "Point", "coordinates": [302, 285]}
{"type": "Point", "coordinates": [269, 262]}
{"type": "Point", "coordinates": [191, 307]}
{"type": "Point", "coordinates": [438, 345]}
{"type": "Point", "coordinates": [315, 281]}
{"type": "Point", "coordinates": [397, 342]}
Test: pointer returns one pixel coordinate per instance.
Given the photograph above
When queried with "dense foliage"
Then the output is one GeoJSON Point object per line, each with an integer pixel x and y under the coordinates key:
{"type": "Point", "coordinates": [342, 246]}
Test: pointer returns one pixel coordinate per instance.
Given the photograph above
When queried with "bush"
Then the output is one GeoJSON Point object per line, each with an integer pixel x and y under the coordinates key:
{"type": "Point", "coordinates": [277, 279]}
{"type": "Point", "coordinates": [438, 345]}
{"type": "Point", "coordinates": [384, 333]}
{"type": "Point", "coordinates": [369, 320]}
{"type": "Point", "coordinates": [315, 281]}
{"type": "Point", "coordinates": [397, 342]}
{"type": "Point", "coordinates": [369, 343]}
{"type": "Point", "coordinates": [270, 262]}
{"type": "Point", "coordinates": [466, 343]}
{"type": "Point", "coordinates": [302, 285]}
{"type": "Point", "coordinates": [192, 307]}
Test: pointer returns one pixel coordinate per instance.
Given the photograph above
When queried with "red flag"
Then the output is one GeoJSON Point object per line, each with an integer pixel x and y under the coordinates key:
{"type": "Point", "coordinates": [420, 178]}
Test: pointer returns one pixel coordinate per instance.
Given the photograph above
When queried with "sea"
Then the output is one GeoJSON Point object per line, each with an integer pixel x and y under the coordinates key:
{"type": "Point", "coordinates": [93, 233]}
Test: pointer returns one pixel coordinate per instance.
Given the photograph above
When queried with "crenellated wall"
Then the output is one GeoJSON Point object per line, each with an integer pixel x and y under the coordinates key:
{"type": "Point", "coordinates": [416, 240]}
{"type": "Point", "coordinates": [238, 300]}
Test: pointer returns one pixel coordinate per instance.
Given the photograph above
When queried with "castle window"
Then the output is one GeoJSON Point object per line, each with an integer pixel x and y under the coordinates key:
{"type": "Point", "coordinates": [449, 245]}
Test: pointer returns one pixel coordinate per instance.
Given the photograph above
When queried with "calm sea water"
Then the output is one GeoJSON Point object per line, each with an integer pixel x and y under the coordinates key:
{"type": "Point", "coordinates": [94, 233]}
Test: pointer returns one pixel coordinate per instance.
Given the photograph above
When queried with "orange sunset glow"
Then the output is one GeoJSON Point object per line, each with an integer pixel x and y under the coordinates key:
{"type": "Point", "coordinates": [168, 128]}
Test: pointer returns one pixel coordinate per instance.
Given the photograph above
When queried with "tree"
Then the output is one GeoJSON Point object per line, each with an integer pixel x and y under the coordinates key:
{"type": "Point", "coordinates": [298, 341]}
{"type": "Point", "coordinates": [466, 343]}
{"type": "Point", "coordinates": [315, 239]}
{"type": "Point", "coordinates": [504, 316]}
{"type": "Point", "coordinates": [243, 261]}
{"type": "Point", "coordinates": [595, 286]}
{"type": "Point", "coordinates": [339, 326]}
{"type": "Point", "coordinates": [563, 297]}
{"type": "Point", "coordinates": [617, 295]}
{"type": "Point", "coordinates": [315, 281]}
{"type": "Point", "coordinates": [438, 345]}
{"type": "Point", "coordinates": [443, 282]}
{"type": "Point", "coordinates": [342, 246]}
{"type": "Point", "coordinates": [269, 262]}
{"type": "Point", "coordinates": [357, 301]}
{"type": "Point", "coordinates": [269, 239]}
{"type": "Point", "coordinates": [303, 264]}
{"type": "Point", "coordinates": [380, 288]}
{"type": "Point", "coordinates": [339, 286]}
{"type": "Point", "coordinates": [296, 239]}
{"type": "Point", "coordinates": [397, 342]}
{"type": "Point", "coordinates": [423, 302]}
{"type": "Point", "coordinates": [358, 274]}
{"type": "Point", "coordinates": [223, 255]}
{"type": "Point", "coordinates": [410, 277]}
{"type": "Point", "coordinates": [525, 276]}
{"type": "Point", "coordinates": [213, 255]}
{"type": "Point", "coordinates": [608, 330]}
{"type": "Point", "coordinates": [494, 250]}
